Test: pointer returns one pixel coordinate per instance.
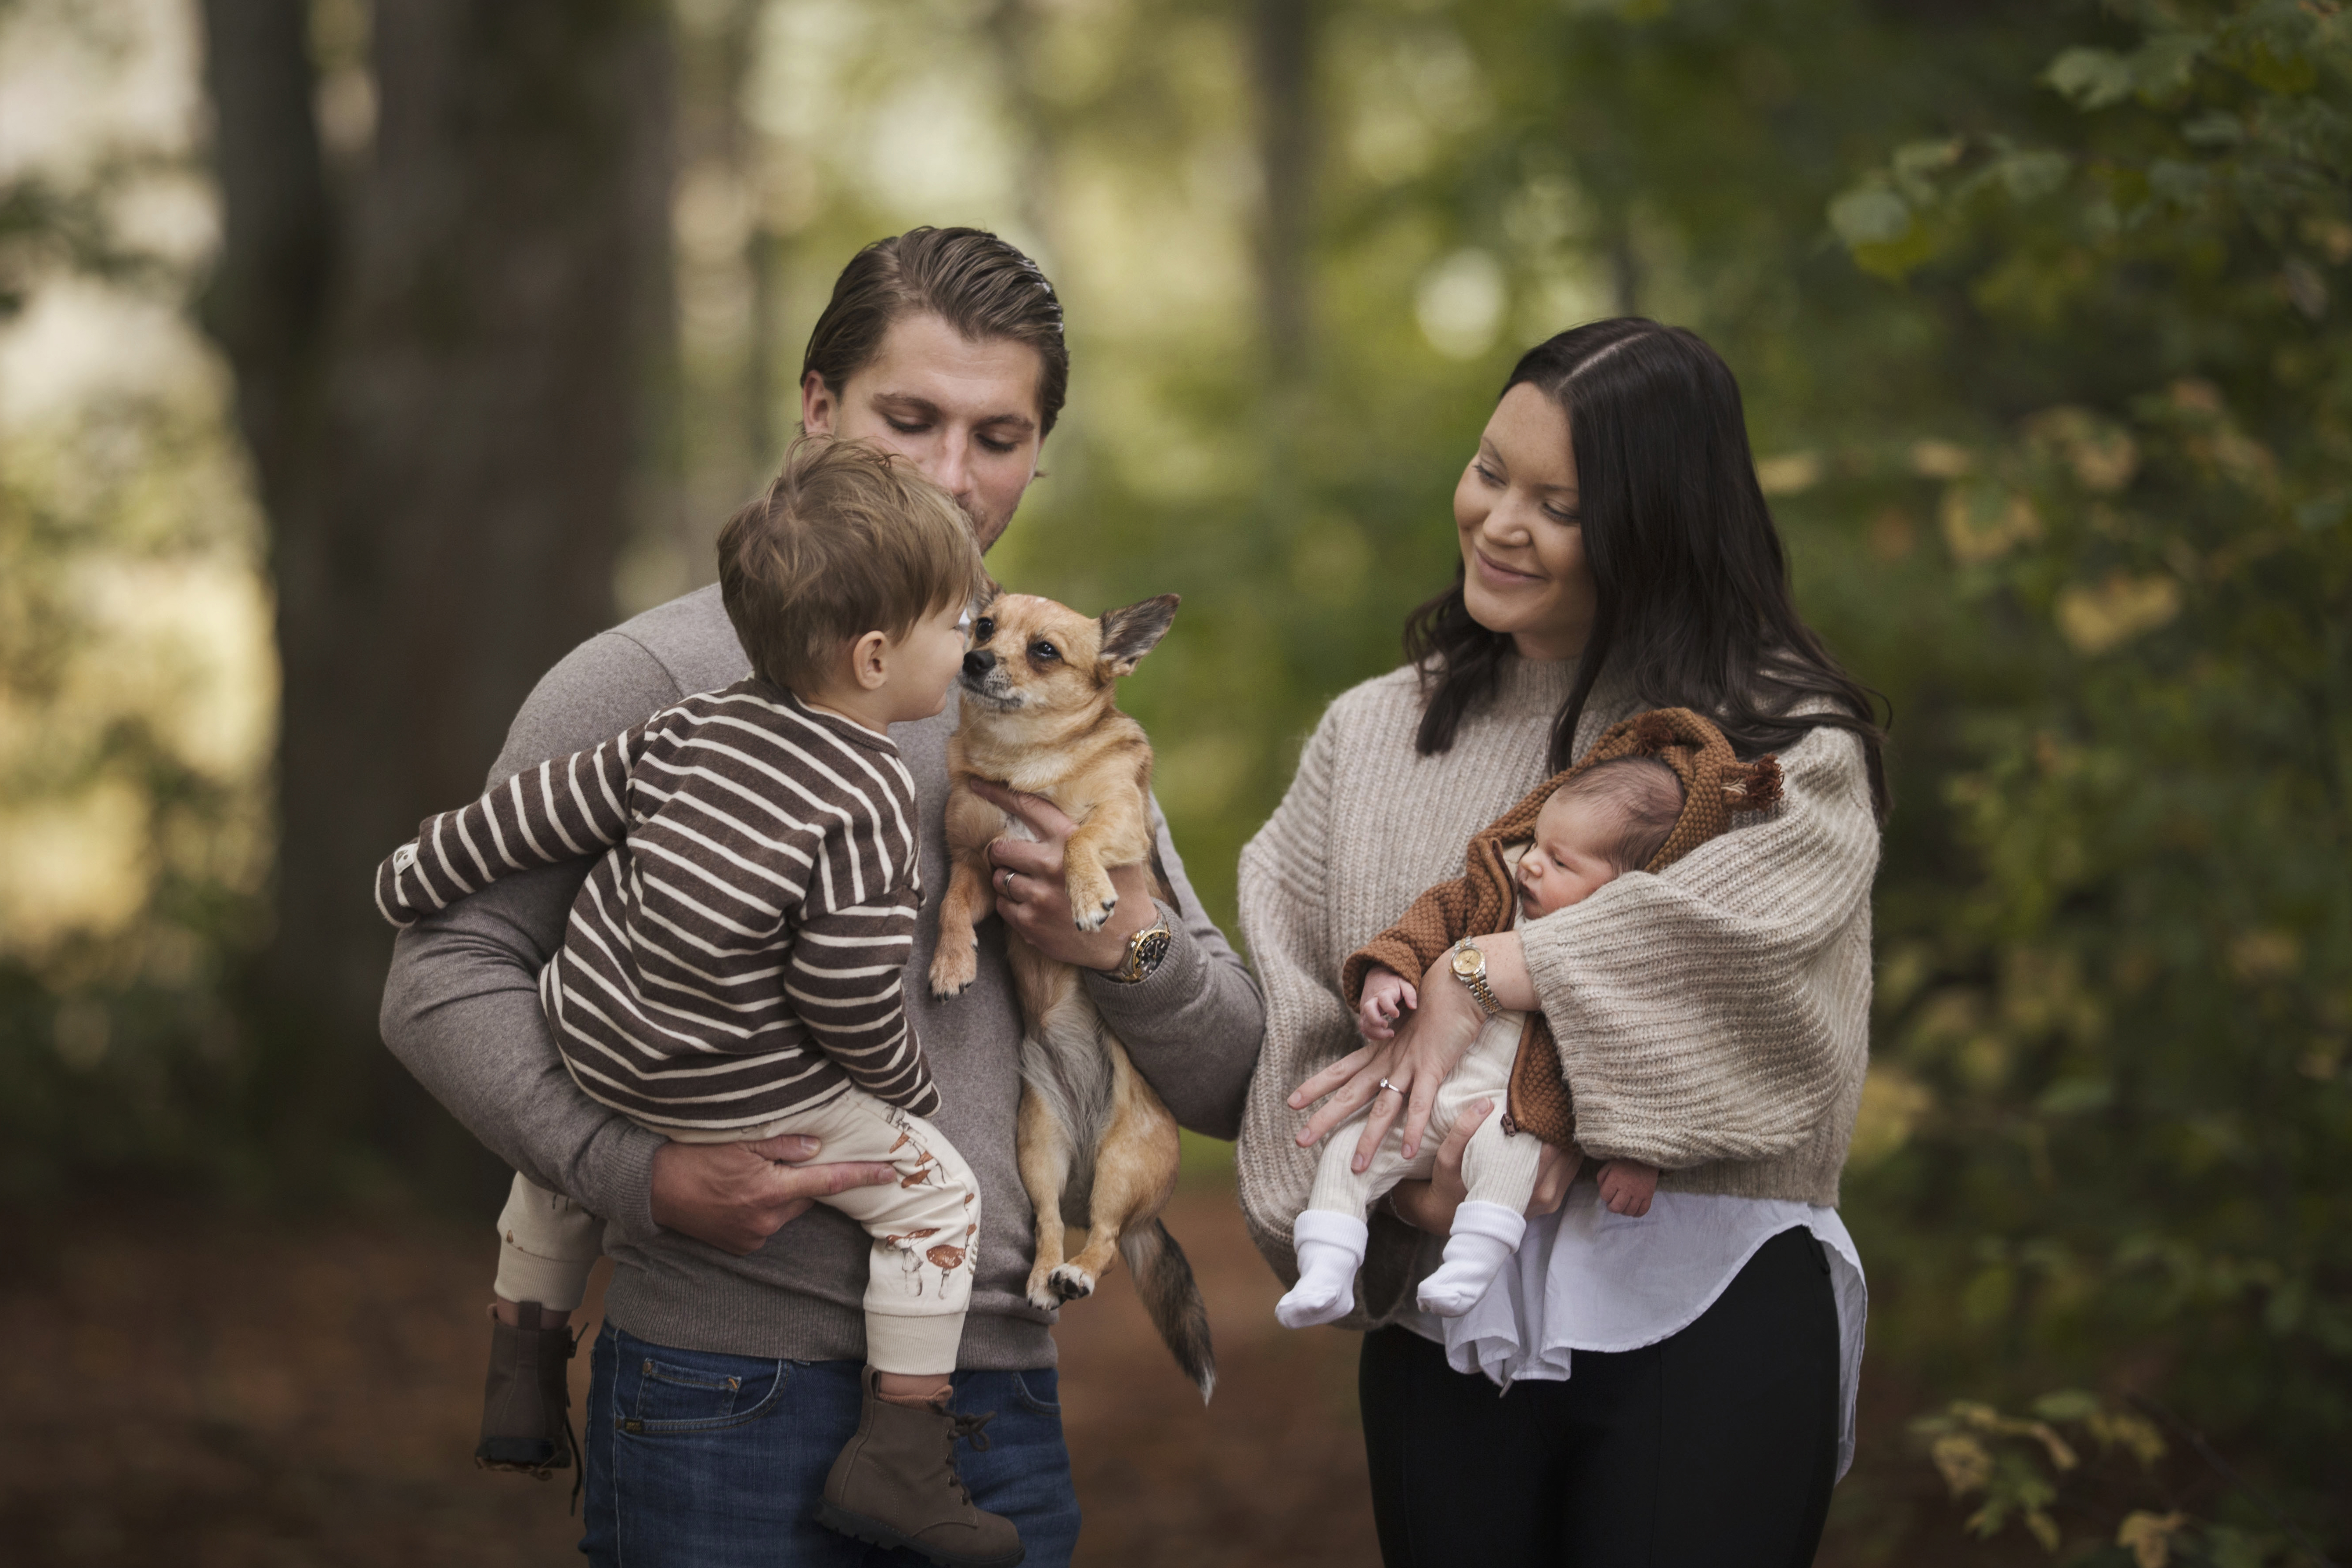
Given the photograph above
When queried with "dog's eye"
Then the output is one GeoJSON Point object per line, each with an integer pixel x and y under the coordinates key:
{"type": "Point", "coordinates": [982, 629]}
{"type": "Point", "coordinates": [1043, 650]}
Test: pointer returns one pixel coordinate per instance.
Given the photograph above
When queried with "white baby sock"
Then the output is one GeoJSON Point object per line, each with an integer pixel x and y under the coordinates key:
{"type": "Point", "coordinates": [1331, 1249]}
{"type": "Point", "coordinates": [1485, 1237]}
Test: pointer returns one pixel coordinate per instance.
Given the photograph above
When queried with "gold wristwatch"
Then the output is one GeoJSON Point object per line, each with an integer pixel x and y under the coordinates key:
{"type": "Point", "coordinates": [1145, 949]}
{"type": "Point", "coordinates": [1470, 968]}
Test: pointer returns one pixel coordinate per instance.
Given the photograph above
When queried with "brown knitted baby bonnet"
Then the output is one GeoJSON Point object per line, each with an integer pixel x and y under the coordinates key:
{"type": "Point", "coordinates": [1715, 783]}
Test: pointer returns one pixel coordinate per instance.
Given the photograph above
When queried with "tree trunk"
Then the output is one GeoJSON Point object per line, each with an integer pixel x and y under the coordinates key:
{"type": "Point", "coordinates": [442, 390]}
{"type": "Point", "coordinates": [1283, 48]}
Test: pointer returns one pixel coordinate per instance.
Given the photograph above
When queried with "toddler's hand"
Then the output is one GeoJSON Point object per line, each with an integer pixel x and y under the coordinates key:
{"type": "Point", "coordinates": [1627, 1186]}
{"type": "Point", "coordinates": [1388, 996]}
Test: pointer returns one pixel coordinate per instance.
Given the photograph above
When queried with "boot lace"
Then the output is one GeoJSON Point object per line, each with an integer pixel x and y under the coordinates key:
{"type": "Point", "coordinates": [969, 1428]}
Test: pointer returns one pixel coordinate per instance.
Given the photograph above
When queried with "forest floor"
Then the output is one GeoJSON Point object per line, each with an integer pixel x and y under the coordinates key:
{"type": "Point", "coordinates": [235, 1392]}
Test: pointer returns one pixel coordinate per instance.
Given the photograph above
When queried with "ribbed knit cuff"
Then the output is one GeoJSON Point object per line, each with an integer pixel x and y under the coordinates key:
{"type": "Point", "coordinates": [617, 1177]}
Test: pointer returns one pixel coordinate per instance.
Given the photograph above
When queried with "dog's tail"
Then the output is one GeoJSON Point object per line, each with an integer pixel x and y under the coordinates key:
{"type": "Point", "coordinates": [1163, 1278]}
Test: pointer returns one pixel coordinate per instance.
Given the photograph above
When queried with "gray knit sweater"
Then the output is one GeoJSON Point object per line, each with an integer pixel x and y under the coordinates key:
{"type": "Point", "coordinates": [461, 1009]}
{"type": "Point", "coordinates": [1713, 1020]}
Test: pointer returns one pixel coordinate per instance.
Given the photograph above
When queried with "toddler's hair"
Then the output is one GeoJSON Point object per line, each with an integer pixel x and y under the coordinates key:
{"type": "Point", "coordinates": [1646, 794]}
{"type": "Point", "coordinates": [847, 539]}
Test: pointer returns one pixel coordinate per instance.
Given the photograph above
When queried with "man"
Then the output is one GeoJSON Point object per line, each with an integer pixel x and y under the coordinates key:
{"type": "Point", "coordinates": [725, 1377]}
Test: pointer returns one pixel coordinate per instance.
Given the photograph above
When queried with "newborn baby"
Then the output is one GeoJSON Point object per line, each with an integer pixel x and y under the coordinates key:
{"type": "Point", "coordinates": [1603, 821]}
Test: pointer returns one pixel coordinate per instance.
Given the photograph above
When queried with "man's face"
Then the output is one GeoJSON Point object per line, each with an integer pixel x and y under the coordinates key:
{"type": "Point", "coordinates": [964, 412]}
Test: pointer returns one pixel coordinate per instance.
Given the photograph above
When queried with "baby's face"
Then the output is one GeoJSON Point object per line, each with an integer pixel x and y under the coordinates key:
{"type": "Point", "coordinates": [1569, 856]}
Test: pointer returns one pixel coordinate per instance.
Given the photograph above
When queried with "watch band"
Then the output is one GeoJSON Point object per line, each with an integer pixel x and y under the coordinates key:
{"type": "Point", "coordinates": [1474, 975]}
{"type": "Point", "coordinates": [1145, 949]}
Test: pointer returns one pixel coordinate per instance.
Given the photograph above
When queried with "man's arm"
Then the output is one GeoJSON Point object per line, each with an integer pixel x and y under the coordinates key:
{"type": "Point", "coordinates": [461, 1007]}
{"type": "Point", "coordinates": [1193, 1025]}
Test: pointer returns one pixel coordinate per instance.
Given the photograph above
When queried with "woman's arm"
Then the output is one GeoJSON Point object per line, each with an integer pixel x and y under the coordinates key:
{"type": "Point", "coordinates": [1285, 920]}
{"type": "Point", "coordinates": [1714, 1012]}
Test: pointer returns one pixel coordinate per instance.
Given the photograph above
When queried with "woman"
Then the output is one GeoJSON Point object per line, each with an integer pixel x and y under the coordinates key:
{"type": "Point", "coordinates": [1617, 554]}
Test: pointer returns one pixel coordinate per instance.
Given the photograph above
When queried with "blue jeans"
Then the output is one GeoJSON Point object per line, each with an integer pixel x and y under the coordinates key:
{"type": "Point", "coordinates": [701, 1460]}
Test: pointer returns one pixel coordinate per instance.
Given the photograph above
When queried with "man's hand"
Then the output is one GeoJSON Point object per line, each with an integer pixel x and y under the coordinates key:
{"type": "Point", "coordinates": [1388, 996]}
{"type": "Point", "coordinates": [1033, 893]}
{"type": "Point", "coordinates": [735, 1196]}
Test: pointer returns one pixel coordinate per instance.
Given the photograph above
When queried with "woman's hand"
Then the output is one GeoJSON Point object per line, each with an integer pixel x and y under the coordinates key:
{"type": "Point", "coordinates": [1396, 1077]}
{"type": "Point", "coordinates": [1429, 1205]}
{"type": "Point", "coordinates": [1032, 894]}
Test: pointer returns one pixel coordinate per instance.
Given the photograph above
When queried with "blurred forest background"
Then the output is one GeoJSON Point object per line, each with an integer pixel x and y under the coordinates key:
{"type": "Point", "coordinates": [356, 361]}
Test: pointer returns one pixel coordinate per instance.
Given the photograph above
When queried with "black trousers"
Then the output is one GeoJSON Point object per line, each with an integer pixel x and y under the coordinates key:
{"type": "Point", "coordinates": [1714, 1448]}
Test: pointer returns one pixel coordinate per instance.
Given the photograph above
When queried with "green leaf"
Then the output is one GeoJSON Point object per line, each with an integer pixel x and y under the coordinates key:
{"type": "Point", "coordinates": [2075, 1096]}
{"type": "Point", "coordinates": [1871, 216]}
{"type": "Point", "coordinates": [2030, 176]}
{"type": "Point", "coordinates": [2091, 78]}
{"type": "Point", "coordinates": [2067, 1405]}
{"type": "Point", "coordinates": [2214, 128]}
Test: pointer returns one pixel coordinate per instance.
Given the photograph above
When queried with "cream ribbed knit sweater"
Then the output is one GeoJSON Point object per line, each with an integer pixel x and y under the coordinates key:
{"type": "Point", "coordinates": [1713, 1020]}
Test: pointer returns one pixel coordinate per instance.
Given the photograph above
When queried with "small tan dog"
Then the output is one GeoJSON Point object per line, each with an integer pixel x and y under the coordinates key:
{"type": "Point", "coordinates": [1098, 1148]}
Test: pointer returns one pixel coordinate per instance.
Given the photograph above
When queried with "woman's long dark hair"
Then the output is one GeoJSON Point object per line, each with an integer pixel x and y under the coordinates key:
{"type": "Point", "coordinates": [1694, 605]}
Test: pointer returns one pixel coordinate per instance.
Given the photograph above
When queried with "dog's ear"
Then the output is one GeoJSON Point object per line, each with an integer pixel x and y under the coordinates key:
{"type": "Point", "coordinates": [1128, 634]}
{"type": "Point", "coordinates": [984, 592]}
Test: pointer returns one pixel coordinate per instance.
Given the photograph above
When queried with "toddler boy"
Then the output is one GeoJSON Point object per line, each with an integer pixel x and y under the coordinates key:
{"type": "Point", "coordinates": [731, 967]}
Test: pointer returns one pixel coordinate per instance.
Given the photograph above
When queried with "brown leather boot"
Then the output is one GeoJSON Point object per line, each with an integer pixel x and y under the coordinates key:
{"type": "Point", "coordinates": [526, 1401]}
{"type": "Point", "coordinates": [896, 1485]}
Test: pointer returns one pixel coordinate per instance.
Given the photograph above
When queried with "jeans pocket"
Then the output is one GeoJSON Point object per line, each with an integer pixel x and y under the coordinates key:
{"type": "Point", "coordinates": [672, 1395]}
{"type": "Point", "coordinates": [1028, 1396]}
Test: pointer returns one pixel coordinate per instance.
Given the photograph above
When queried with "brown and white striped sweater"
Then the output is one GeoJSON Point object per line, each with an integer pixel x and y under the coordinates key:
{"type": "Point", "coordinates": [735, 955]}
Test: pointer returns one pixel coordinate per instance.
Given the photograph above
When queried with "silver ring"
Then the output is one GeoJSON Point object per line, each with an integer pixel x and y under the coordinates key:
{"type": "Point", "coordinates": [1005, 882]}
{"type": "Point", "coordinates": [1387, 1085]}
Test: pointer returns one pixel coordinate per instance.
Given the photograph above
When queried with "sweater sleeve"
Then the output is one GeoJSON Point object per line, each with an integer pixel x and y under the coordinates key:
{"type": "Point", "coordinates": [846, 981]}
{"type": "Point", "coordinates": [563, 809]}
{"type": "Point", "coordinates": [1437, 919]}
{"type": "Point", "coordinates": [844, 975]}
{"type": "Point", "coordinates": [1285, 920]}
{"type": "Point", "coordinates": [1689, 1023]}
{"type": "Point", "coordinates": [1191, 1026]}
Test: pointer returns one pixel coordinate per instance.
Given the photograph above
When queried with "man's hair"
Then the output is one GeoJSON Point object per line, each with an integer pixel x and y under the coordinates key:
{"type": "Point", "coordinates": [846, 540]}
{"type": "Point", "coordinates": [1646, 795]}
{"type": "Point", "coordinates": [977, 283]}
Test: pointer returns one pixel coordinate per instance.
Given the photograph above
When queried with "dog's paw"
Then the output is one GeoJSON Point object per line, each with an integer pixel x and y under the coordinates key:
{"type": "Point", "coordinates": [1041, 1293]}
{"type": "Point", "coordinates": [1092, 900]}
{"type": "Point", "coordinates": [954, 968]}
{"type": "Point", "coordinates": [1071, 1282]}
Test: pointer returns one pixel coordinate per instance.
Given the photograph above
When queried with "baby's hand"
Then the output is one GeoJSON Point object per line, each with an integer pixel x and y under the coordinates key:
{"type": "Point", "coordinates": [1388, 996]}
{"type": "Point", "coordinates": [1627, 1186]}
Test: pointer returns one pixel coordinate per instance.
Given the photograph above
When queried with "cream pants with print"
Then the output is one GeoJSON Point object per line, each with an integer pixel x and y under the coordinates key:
{"type": "Point", "coordinates": [1497, 1166]}
{"type": "Point", "coordinates": [925, 1226]}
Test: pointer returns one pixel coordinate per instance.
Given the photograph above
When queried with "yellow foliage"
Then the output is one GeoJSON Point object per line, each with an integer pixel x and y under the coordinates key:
{"type": "Point", "coordinates": [1933, 460]}
{"type": "Point", "coordinates": [1892, 1101]}
{"type": "Point", "coordinates": [2119, 609]}
{"type": "Point", "coordinates": [1965, 1464]}
{"type": "Point", "coordinates": [1792, 473]}
{"type": "Point", "coordinates": [2102, 454]}
{"type": "Point", "coordinates": [1984, 523]}
{"type": "Point", "coordinates": [2260, 955]}
{"type": "Point", "coordinates": [2150, 1536]}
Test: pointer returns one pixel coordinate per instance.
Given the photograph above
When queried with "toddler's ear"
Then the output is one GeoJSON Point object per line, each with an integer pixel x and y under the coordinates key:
{"type": "Point", "coordinates": [1130, 633]}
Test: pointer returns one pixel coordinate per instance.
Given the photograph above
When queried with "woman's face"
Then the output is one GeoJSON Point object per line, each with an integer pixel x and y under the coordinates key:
{"type": "Point", "coordinates": [1523, 565]}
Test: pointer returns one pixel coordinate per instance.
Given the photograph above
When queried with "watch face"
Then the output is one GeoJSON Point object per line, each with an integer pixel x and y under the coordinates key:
{"type": "Point", "coordinates": [1468, 960]}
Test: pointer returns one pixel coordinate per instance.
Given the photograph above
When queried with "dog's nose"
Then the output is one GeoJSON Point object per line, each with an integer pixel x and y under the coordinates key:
{"type": "Point", "coordinates": [978, 662]}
